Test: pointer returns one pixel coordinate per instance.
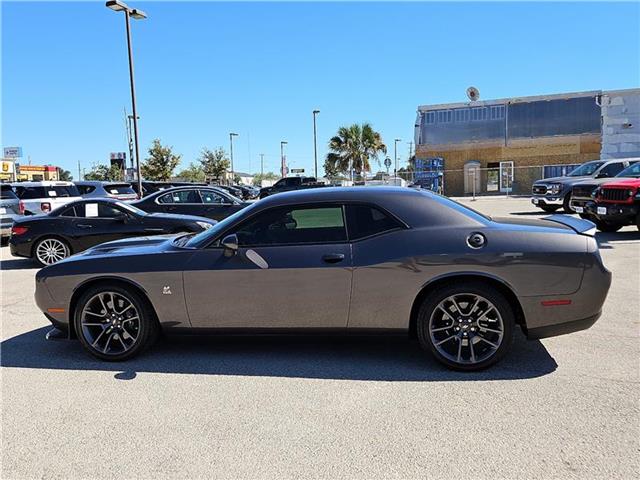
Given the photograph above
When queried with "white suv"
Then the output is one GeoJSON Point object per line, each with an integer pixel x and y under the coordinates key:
{"type": "Point", "coordinates": [42, 197]}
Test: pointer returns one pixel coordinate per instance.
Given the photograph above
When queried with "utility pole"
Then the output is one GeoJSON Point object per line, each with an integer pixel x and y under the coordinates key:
{"type": "Point", "coordinates": [231, 135]}
{"type": "Point", "coordinates": [395, 156]}
{"type": "Point", "coordinates": [283, 173]}
{"type": "Point", "coordinates": [315, 144]}
{"type": "Point", "coordinates": [262, 164]}
{"type": "Point", "coordinates": [79, 175]}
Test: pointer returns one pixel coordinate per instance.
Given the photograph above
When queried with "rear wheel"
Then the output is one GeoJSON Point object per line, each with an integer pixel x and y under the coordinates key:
{"type": "Point", "coordinates": [467, 326]}
{"type": "Point", "coordinates": [114, 324]}
{"type": "Point", "coordinates": [549, 208]}
{"type": "Point", "coordinates": [50, 250]}
{"type": "Point", "coordinates": [607, 227]}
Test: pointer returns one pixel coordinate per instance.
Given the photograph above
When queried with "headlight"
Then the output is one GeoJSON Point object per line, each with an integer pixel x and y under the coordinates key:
{"type": "Point", "coordinates": [555, 187]}
{"type": "Point", "coordinates": [630, 193]}
{"type": "Point", "coordinates": [204, 225]}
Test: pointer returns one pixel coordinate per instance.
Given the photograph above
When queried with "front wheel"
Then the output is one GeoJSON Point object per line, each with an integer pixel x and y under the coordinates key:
{"type": "Point", "coordinates": [566, 204]}
{"type": "Point", "coordinates": [607, 227]}
{"type": "Point", "coordinates": [467, 326]}
{"type": "Point", "coordinates": [114, 324]}
{"type": "Point", "coordinates": [50, 250]}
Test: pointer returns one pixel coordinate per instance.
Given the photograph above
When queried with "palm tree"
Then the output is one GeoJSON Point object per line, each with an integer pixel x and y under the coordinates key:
{"type": "Point", "coordinates": [353, 147]}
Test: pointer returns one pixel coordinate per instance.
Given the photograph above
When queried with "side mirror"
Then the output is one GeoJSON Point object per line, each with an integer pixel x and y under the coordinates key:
{"type": "Point", "coordinates": [230, 244]}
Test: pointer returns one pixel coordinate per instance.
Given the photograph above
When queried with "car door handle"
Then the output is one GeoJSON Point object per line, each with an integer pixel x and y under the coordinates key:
{"type": "Point", "coordinates": [84, 225]}
{"type": "Point", "coordinates": [333, 257]}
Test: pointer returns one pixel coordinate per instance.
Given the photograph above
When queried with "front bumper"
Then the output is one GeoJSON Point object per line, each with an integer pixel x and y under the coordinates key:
{"type": "Point", "coordinates": [542, 200]}
{"type": "Point", "coordinates": [579, 205]}
{"type": "Point", "coordinates": [613, 213]}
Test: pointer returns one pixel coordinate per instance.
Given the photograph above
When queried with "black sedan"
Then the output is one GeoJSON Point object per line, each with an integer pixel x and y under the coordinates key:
{"type": "Point", "coordinates": [86, 223]}
{"type": "Point", "coordinates": [210, 202]}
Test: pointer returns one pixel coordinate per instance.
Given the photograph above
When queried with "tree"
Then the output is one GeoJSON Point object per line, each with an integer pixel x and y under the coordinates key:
{"type": "Point", "coordinates": [354, 147]}
{"type": "Point", "coordinates": [104, 173]}
{"type": "Point", "coordinates": [64, 175]}
{"type": "Point", "coordinates": [161, 162]}
{"type": "Point", "coordinates": [214, 164]}
{"type": "Point", "coordinates": [193, 173]}
{"type": "Point", "coordinates": [259, 177]}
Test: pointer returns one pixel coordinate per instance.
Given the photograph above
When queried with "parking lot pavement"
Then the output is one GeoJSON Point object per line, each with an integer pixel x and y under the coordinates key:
{"type": "Point", "coordinates": [565, 407]}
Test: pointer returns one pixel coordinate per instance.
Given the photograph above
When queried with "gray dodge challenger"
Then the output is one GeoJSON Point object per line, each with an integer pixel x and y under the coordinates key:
{"type": "Point", "coordinates": [338, 260]}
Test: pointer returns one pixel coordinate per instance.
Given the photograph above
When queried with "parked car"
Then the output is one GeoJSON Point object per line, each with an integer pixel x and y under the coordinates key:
{"type": "Point", "coordinates": [85, 223]}
{"type": "Point", "coordinates": [583, 191]}
{"type": "Point", "coordinates": [95, 189]}
{"type": "Point", "coordinates": [149, 187]}
{"type": "Point", "coordinates": [355, 260]}
{"type": "Point", "coordinates": [617, 203]}
{"type": "Point", "coordinates": [290, 183]}
{"type": "Point", "coordinates": [552, 193]}
{"type": "Point", "coordinates": [45, 196]}
{"type": "Point", "coordinates": [9, 209]}
{"type": "Point", "coordinates": [247, 192]}
{"type": "Point", "coordinates": [235, 191]}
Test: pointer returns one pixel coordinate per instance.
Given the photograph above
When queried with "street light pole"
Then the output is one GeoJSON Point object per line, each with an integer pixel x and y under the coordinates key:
{"type": "Point", "coordinates": [231, 135]}
{"type": "Point", "coordinates": [395, 156]}
{"type": "Point", "coordinates": [262, 164]}
{"type": "Point", "coordinates": [282, 164]}
{"type": "Point", "coordinates": [118, 6]}
{"type": "Point", "coordinates": [315, 143]}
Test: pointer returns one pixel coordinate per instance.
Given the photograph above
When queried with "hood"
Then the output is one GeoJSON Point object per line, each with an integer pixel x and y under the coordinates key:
{"type": "Point", "coordinates": [564, 180]}
{"type": "Point", "coordinates": [623, 182]}
{"type": "Point", "coordinates": [132, 246]}
{"type": "Point", "coordinates": [179, 217]}
{"type": "Point", "coordinates": [592, 181]}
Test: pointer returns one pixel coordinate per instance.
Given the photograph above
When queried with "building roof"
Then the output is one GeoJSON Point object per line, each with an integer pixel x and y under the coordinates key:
{"type": "Point", "coordinates": [534, 98]}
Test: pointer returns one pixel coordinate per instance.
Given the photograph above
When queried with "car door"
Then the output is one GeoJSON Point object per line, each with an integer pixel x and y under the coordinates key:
{"type": "Point", "coordinates": [216, 205]}
{"type": "Point", "coordinates": [99, 222]}
{"type": "Point", "coordinates": [292, 270]}
{"type": "Point", "coordinates": [184, 202]}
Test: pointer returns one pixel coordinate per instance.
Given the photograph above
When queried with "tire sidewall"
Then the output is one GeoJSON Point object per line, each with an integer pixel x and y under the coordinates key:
{"type": "Point", "coordinates": [146, 325]}
{"type": "Point", "coordinates": [491, 294]}
{"type": "Point", "coordinates": [37, 244]}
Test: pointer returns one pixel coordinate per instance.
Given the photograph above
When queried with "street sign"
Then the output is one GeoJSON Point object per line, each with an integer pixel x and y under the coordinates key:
{"type": "Point", "coordinates": [118, 156]}
{"type": "Point", "coordinates": [297, 170]}
{"type": "Point", "coordinates": [12, 152]}
{"type": "Point", "coordinates": [387, 162]}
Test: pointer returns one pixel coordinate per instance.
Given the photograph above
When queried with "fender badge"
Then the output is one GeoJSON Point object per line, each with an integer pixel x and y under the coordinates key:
{"type": "Point", "coordinates": [166, 290]}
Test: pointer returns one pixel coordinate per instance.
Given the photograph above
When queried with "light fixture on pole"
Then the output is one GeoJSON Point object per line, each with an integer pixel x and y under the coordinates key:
{"type": "Point", "coordinates": [118, 6]}
{"type": "Point", "coordinates": [283, 166]}
{"type": "Point", "coordinates": [233, 175]}
{"type": "Point", "coordinates": [315, 144]}
{"type": "Point", "coordinates": [395, 156]}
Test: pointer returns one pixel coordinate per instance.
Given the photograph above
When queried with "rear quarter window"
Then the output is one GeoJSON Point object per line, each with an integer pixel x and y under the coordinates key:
{"type": "Point", "coordinates": [6, 193]}
{"type": "Point", "coordinates": [366, 220]}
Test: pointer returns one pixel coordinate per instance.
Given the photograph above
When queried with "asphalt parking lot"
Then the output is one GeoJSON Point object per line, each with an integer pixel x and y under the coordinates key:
{"type": "Point", "coordinates": [565, 407]}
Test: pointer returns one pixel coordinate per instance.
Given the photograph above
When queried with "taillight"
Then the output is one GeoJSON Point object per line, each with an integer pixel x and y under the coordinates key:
{"type": "Point", "coordinates": [21, 207]}
{"type": "Point", "coordinates": [18, 230]}
{"type": "Point", "coordinates": [45, 207]}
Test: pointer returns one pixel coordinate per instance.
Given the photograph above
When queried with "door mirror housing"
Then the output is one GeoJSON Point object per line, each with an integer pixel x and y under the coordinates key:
{"type": "Point", "coordinates": [230, 244]}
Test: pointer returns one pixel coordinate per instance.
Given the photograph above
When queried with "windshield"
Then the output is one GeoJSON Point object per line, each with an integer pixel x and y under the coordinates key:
{"type": "Point", "coordinates": [631, 171]}
{"type": "Point", "coordinates": [119, 189]}
{"type": "Point", "coordinates": [586, 169]}
{"type": "Point", "coordinates": [131, 208]}
{"type": "Point", "coordinates": [207, 236]}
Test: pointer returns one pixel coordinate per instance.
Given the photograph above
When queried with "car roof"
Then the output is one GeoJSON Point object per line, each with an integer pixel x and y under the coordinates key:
{"type": "Point", "coordinates": [100, 182]}
{"type": "Point", "coordinates": [341, 194]}
{"type": "Point", "coordinates": [43, 183]}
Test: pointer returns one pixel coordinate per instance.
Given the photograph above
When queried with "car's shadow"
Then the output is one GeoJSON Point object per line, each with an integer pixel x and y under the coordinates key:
{"type": "Point", "coordinates": [339, 358]}
{"type": "Point", "coordinates": [17, 264]}
{"type": "Point", "coordinates": [608, 240]}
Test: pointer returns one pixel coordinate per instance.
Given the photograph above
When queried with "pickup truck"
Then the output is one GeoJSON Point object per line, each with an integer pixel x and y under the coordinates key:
{"type": "Point", "coordinates": [552, 193]}
{"type": "Point", "coordinates": [291, 183]}
{"type": "Point", "coordinates": [617, 203]}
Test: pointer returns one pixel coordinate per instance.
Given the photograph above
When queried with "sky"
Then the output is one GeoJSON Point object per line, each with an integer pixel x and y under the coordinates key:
{"type": "Point", "coordinates": [205, 69]}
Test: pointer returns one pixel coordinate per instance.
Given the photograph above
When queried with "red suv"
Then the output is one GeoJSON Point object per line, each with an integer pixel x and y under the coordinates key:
{"type": "Point", "coordinates": [616, 204]}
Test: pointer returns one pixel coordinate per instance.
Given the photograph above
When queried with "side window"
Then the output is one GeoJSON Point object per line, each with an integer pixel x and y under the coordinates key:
{"type": "Point", "coordinates": [364, 221]}
{"type": "Point", "coordinates": [611, 170]}
{"type": "Point", "coordinates": [107, 211]}
{"type": "Point", "coordinates": [294, 225]}
{"type": "Point", "coordinates": [209, 197]}
{"type": "Point", "coordinates": [69, 212]}
{"type": "Point", "coordinates": [181, 196]}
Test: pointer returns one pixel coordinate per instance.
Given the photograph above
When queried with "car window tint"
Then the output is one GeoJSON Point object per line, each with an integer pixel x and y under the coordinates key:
{"type": "Point", "coordinates": [107, 211]}
{"type": "Point", "coordinates": [6, 192]}
{"type": "Point", "coordinates": [181, 196]}
{"type": "Point", "coordinates": [210, 197]}
{"type": "Point", "coordinates": [612, 169]}
{"type": "Point", "coordinates": [119, 188]}
{"type": "Point", "coordinates": [364, 221]}
{"type": "Point", "coordinates": [294, 225]}
{"type": "Point", "coordinates": [68, 212]}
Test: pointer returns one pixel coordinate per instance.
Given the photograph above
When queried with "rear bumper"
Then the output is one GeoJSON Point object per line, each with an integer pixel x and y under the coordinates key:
{"type": "Point", "coordinates": [19, 249]}
{"type": "Point", "coordinates": [560, 314]}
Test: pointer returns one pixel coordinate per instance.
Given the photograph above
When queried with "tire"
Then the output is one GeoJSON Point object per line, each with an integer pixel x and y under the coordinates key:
{"type": "Point", "coordinates": [586, 216]}
{"type": "Point", "coordinates": [447, 344]}
{"type": "Point", "coordinates": [49, 250]}
{"type": "Point", "coordinates": [549, 208]}
{"type": "Point", "coordinates": [566, 204]}
{"type": "Point", "coordinates": [607, 227]}
{"type": "Point", "coordinates": [117, 334]}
